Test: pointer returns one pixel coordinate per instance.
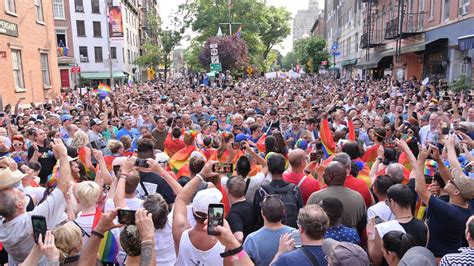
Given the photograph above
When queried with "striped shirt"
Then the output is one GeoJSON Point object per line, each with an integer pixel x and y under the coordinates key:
{"type": "Point", "coordinates": [466, 257]}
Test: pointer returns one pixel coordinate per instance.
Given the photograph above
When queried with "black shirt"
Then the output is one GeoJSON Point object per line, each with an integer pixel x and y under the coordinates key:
{"type": "Point", "coordinates": [151, 183]}
{"type": "Point", "coordinates": [46, 159]}
{"type": "Point", "coordinates": [241, 218]}
{"type": "Point", "coordinates": [418, 230]}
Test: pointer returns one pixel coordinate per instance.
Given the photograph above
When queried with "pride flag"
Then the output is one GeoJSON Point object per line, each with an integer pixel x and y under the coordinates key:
{"type": "Point", "coordinates": [130, 80]}
{"type": "Point", "coordinates": [329, 146]}
{"type": "Point", "coordinates": [103, 91]}
{"type": "Point", "coordinates": [181, 158]}
{"type": "Point", "coordinates": [82, 157]}
{"type": "Point", "coordinates": [261, 143]}
{"type": "Point", "coordinates": [108, 248]}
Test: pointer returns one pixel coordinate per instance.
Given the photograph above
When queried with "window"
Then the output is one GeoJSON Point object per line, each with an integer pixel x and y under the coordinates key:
{"type": "Point", "coordinates": [95, 6]}
{"type": "Point", "coordinates": [357, 42]}
{"type": "Point", "coordinates": [10, 6]}
{"type": "Point", "coordinates": [432, 9]}
{"type": "Point", "coordinates": [97, 30]}
{"type": "Point", "coordinates": [81, 28]}
{"type": "Point", "coordinates": [128, 56]}
{"type": "Point", "coordinates": [61, 38]}
{"type": "Point", "coordinates": [113, 52]}
{"type": "Point", "coordinates": [123, 55]}
{"type": "Point", "coordinates": [58, 9]}
{"type": "Point", "coordinates": [45, 69]}
{"type": "Point", "coordinates": [463, 7]}
{"type": "Point", "coordinates": [39, 10]}
{"type": "Point", "coordinates": [79, 6]}
{"type": "Point", "coordinates": [98, 54]}
{"type": "Point", "coordinates": [83, 54]}
{"type": "Point", "coordinates": [446, 4]}
{"type": "Point", "coordinates": [17, 69]}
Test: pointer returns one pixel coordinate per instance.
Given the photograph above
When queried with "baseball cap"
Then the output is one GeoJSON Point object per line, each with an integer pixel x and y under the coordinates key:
{"type": "Point", "coordinates": [379, 106]}
{"type": "Point", "coordinates": [95, 121]}
{"type": "Point", "coordinates": [344, 253]}
{"type": "Point", "coordinates": [9, 178]}
{"type": "Point", "coordinates": [65, 117]}
{"type": "Point", "coordinates": [273, 112]}
{"type": "Point", "coordinates": [419, 256]}
{"type": "Point", "coordinates": [205, 197]}
{"type": "Point", "coordinates": [464, 184]}
{"type": "Point", "coordinates": [302, 144]}
{"type": "Point", "coordinates": [240, 137]}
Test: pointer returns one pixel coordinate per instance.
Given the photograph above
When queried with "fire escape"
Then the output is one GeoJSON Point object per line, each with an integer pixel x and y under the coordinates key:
{"type": "Point", "coordinates": [405, 24]}
{"type": "Point", "coordinates": [371, 37]}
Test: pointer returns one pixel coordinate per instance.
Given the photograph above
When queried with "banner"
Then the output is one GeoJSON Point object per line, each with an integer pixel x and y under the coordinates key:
{"type": "Point", "coordinates": [115, 22]}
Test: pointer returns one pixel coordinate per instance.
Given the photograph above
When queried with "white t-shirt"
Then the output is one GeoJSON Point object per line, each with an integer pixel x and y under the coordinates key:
{"type": "Point", "coordinates": [132, 204]}
{"type": "Point", "coordinates": [16, 235]}
{"type": "Point", "coordinates": [381, 210]}
{"type": "Point", "coordinates": [190, 255]}
{"type": "Point", "coordinates": [164, 245]}
{"type": "Point", "coordinates": [85, 222]}
{"type": "Point", "coordinates": [37, 192]}
{"type": "Point", "coordinates": [255, 183]}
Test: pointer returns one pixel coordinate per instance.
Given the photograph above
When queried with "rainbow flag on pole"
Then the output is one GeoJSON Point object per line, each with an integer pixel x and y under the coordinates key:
{"type": "Point", "coordinates": [103, 91]}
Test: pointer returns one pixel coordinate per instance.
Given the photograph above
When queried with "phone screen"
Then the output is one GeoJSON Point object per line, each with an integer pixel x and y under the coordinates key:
{"type": "Point", "coordinates": [39, 227]}
{"type": "Point", "coordinates": [126, 217]}
{"type": "Point", "coordinates": [141, 163]}
{"type": "Point", "coordinates": [222, 168]}
{"type": "Point", "coordinates": [215, 217]}
{"type": "Point", "coordinates": [116, 169]}
{"type": "Point", "coordinates": [297, 237]}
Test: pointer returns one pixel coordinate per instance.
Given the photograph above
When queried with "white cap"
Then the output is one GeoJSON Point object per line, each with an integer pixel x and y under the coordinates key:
{"type": "Point", "coordinates": [205, 197]}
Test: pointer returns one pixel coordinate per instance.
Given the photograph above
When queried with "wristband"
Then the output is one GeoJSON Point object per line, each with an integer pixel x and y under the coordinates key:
{"type": "Point", "coordinates": [97, 234]}
{"type": "Point", "coordinates": [200, 177]}
{"type": "Point", "coordinates": [146, 242]}
{"type": "Point", "coordinates": [380, 159]}
{"type": "Point", "coordinates": [232, 252]}
{"type": "Point", "coordinates": [238, 256]}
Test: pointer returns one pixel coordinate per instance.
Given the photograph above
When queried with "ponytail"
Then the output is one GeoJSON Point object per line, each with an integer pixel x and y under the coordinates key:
{"type": "Point", "coordinates": [398, 242]}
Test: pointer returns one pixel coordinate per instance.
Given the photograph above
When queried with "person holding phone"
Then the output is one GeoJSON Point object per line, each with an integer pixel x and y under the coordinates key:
{"type": "Point", "coordinates": [16, 227]}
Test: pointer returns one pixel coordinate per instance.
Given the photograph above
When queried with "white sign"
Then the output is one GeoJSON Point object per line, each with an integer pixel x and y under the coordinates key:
{"type": "Point", "coordinates": [214, 59]}
{"type": "Point", "coordinates": [214, 52]}
{"type": "Point", "coordinates": [213, 45]}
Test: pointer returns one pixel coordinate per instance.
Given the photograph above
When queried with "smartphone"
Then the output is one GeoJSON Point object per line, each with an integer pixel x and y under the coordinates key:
{"type": "Point", "coordinates": [94, 145]}
{"type": "Point", "coordinates": [297, 237]}
{"type": "Point", "coordinates": [116, 170]}
{"type": "Point", "coordinates": [238, 145]}
{"type": "Point", "coordinates": [126, 217]}
{"type": "Point", "coordinates": [378, 220]}
{"type": "Point", "coordinates": [215, 217]}
{"type": "Point", "coordinates": [315, 156]}
{"type": "Point", "coordinates": [141, 163]}
{"type": "Point", "coordinates": [223, 168]}
{"type": "Point", "coordinates": [39, 227]}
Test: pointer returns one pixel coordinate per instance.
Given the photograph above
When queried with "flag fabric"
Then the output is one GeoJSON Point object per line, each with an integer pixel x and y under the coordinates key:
{"type": "Point", "coordinates": [181, 158]}
{"type": "Point", "coordinates": [329, 146]}
{"type": "Point", "coordinates": [370, 154]}
{"type": "Point", "coordinates": [261, 143]}
{"type": "Point", "coordinates": [237, 33]}
{"type": "Point", "coordinates": [108, 248]}
{"type": "Point", "coordinates": [82, 158]}
{"type": "Point", "coordinates": [350, 126]}
{"type": "Point", "coordinates": [102, 91]}
{"type": "Point", "coordinates": [130, 80]}
{"type": "Point", "coordinates": [364, 171]}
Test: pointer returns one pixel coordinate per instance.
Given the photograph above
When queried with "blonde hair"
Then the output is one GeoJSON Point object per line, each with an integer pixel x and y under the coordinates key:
{"type": "Point", "coordinates": [67, 238]}
{"type": "Point", "coordinates": [87, 193]}
{"type": "Point", "coordinates": [114, 145]}
{"type": "Point", "coordinates": [80, 139]}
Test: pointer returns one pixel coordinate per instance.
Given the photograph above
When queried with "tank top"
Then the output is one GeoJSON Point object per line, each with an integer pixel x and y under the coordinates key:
{"type": "Point", "coordinates": [190, 255]}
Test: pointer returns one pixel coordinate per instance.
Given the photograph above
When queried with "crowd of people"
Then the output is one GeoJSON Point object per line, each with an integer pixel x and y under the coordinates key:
{"type": "Point", "coordinates": [317, 171]}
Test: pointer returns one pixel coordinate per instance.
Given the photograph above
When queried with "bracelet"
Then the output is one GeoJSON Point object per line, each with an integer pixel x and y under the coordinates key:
{"type": "Point", "coordinates": [200, 177]}
{"type": "Point", "coordinates": [144, 242]}
{"type": "Point", "coordinates": [124, 176]}
{"type": "Point", "coordinates": [238, 256]}
{"type": "Point", "coordinates": [379, 159]}
{"type": "Point", "coordinates": [97, 234]}
{"type": "Point", "coordinates": [232, 252]}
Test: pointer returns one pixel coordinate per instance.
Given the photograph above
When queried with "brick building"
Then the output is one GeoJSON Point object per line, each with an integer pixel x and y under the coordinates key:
{"type": "Point", "coordinates": [28, 53]}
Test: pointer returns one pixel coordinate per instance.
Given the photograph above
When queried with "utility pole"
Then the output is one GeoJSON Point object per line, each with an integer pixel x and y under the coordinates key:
{"type": "Point", "coordinates": [229, 10]}
{"type": "Point", "coordinates": [108, 3]}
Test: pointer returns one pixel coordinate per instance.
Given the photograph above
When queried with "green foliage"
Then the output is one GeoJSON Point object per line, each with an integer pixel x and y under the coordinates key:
{"type": "Point", "coordinates": [310, 52]}
{"type": "Point", "coordinates": [262, 26]}
{"type": "Point", "coordinates": [461, 84]}
{"type": "Point", "coordinates": [152, 55]}
{"type": "Point", "coordinates": [289, 60]}
{"type": "Point", "coordinates": [191, 56]}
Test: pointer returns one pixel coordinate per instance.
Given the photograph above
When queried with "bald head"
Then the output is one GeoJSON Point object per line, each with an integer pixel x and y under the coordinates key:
{"type": "Point", "coordinates": [296, 158]}
{"type": "Point", "coordinates": [334, 174]}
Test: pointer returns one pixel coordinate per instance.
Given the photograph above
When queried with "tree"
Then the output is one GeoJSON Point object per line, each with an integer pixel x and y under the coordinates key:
{"type": "Point", "coordinates": [191, 56]}
{"type": "Point", "coordinates": [310, 52]}
{"type": "Point", "coordinates": [289, 60]}
{"type": "Point", "coordinates": [233, 52]}
{"type": "Point", "coordinates": [262, 26]}
{"type": "Point", "coordinates": [169, 40]}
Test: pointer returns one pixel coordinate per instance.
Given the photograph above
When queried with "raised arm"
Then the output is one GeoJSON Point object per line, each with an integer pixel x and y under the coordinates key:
{"type": "Point", "coordinates": [103, 172]}
{"type": "Point", "coordinates": [65, 177]}
{"type": "Point", "coordinates": [420, 182]}
{"type": "Point", "coordinates": [452, 157]}
{"type": "Point", "coordinates": [156, 167]}
{"type": "Point", "coordinates": [375, 167]}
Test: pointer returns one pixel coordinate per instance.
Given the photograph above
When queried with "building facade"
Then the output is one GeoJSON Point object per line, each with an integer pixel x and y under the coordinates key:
{"type": "Point", "coordinates": [27, 54]}
{"type": "Point", "coordinates": [304, 20]}
{"type": "Point", "coordinates": [64, 43]}
{"type": "Point", "coordinates": [90, 30]}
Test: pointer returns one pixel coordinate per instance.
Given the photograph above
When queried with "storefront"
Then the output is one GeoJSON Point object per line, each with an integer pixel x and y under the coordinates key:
{"type": "Point", "coordinates": [348, 67]}
{"type": "Point", "coordinates": [436, 59]}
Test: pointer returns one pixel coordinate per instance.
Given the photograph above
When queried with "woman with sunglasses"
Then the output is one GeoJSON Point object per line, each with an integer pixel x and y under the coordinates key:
{"type": "Point", "coordinates": [18, 149]}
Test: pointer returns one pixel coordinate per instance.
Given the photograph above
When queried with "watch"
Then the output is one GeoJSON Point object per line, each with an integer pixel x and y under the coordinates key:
{"type": "Point", "coordinates": [232, 252]}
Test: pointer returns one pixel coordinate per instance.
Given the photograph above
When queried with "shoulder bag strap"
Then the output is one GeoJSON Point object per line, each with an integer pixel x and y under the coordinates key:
{"type": "Point", "coordinates": [310, 256]}
{"type": "Point", "coordinates": [302, 180]}
{"type": "Point", "coordinates": [84, 233]}
{"type": "Point", "coordinates": [144, 189]}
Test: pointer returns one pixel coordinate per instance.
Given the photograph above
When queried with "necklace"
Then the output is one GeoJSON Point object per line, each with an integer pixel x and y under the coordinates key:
{"type": "Point", "coordinates": [405, 217]}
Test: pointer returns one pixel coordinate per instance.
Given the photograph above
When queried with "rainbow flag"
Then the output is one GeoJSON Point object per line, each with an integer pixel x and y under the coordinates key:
{"type": "Point", "coordinates": [82, 157]}
{"type": "Point", "coordinates": [364, 171]}
{"type": "Point", "coordinates": [329, 146]}
{"type": "Point", "coordinates": [130, 80]}
{"type": "Point", "coordinates": [370, 154]}
{"type": "Point", "coordinates": [352, 135]}
{"type": "Point", "coordinates": [52, 179]}
{"type": "Point", "coordinates": [181, 158]}
{"type": "Point", "coordinates": [108, 248]}
{"type": "Point", "coordinates": [103, 91]}
{"type": "Point", "coordinates": [261, 143]}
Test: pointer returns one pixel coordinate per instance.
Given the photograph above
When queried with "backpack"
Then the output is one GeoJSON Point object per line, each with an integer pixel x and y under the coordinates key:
{"type": "Point", "coordinates": [289, 196]}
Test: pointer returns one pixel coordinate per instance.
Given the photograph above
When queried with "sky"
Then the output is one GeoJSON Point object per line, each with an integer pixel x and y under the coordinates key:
{"type": "Point", "coordinates": [169, 7]}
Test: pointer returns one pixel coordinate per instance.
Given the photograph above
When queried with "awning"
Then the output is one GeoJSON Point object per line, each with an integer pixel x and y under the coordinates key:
{"type": "Point", "coordinates": [374, 59]}
{"type": "Point", "coordinates": [102, 75]}
{"type": "Point", "coordinates": [466, 42]}
{"type": "Point", "coordinates": [349, 62]}
{"type": "Point", "coordinates": [416, 47]}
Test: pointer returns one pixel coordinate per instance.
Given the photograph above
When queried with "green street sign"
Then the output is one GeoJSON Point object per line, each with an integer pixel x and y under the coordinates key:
{"type": "Point", "coordinates": [216, 67]}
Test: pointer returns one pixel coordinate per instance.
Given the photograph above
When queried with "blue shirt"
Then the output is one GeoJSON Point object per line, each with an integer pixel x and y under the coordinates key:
{"type": "Point", "coordinates": [343, 233]}
{"type": "Point", "coordinates": [133, 134]}
{"type": "Point", "coordinates": [262, 245]}
{"type": "Point", "coordinates": [297, 257]}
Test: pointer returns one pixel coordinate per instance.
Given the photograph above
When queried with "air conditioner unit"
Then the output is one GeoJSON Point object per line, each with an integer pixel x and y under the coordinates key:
{"type": "Point", "coordinates": [84, 59]}
{"type": "Point", "coordinates": [79, 9]}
